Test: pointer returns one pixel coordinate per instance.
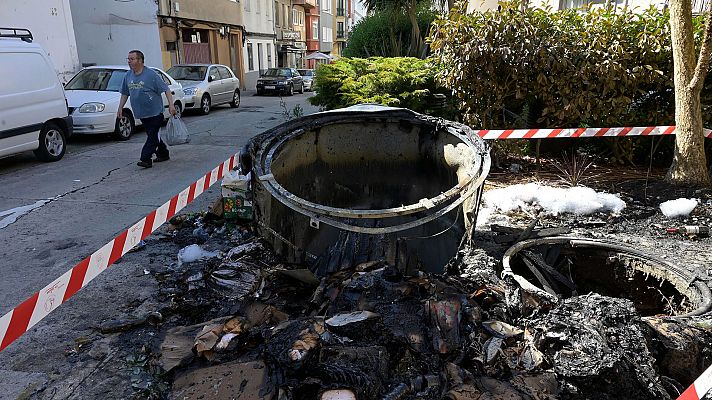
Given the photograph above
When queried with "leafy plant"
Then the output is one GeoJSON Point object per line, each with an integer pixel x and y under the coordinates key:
{"type": "Point", "coordinates": [574, 168]}
{"type": "Point", "coordinates": [399, 82]}
{"type": "Point", "coordinates": [296, 112]}
{"type": "Point", "coordinates": [518, 66]}
{"type": "Point", "coordinates": [386, 33]}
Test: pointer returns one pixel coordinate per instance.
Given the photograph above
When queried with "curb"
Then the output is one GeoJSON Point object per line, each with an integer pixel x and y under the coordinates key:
{"type": "Point", "coordinates": [23, 317]}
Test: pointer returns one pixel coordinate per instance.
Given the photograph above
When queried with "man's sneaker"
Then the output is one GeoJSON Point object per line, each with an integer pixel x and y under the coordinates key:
{"type": "Point", "coordinates": [144, 164]}
{"type": "Point", "coordinates": [161, 159]}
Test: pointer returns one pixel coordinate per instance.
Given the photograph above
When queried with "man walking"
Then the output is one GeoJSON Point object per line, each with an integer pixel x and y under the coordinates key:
{"type": "Point", "coordinates": [144, 86]}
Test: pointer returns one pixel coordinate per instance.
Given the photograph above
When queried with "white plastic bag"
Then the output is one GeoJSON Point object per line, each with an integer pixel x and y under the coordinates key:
{"type": "Point", "coordinates": [175, 132]}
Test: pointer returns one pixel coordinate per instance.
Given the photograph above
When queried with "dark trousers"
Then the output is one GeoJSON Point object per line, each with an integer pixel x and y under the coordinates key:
{"type": "Point", "coordinates": [153, 143]}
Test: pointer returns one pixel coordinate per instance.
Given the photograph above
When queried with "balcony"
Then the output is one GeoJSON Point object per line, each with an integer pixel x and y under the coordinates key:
{"type": "Point", "coordinates": [340, 12]}
{"type": "Point", "coordinates": [305, 3]}
{"type": "Point", "coordinates": [340, 35]}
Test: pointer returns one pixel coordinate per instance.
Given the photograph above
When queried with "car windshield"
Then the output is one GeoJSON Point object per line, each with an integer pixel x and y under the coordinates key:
{"type": "Point", "coordinates": [305, 72]}
{"type": "Point", "coordinates": [277, 72]}
{"type": "Point", "coordinates": [97, 79]}
{"type": "Point", "coordinates": [188, 72]}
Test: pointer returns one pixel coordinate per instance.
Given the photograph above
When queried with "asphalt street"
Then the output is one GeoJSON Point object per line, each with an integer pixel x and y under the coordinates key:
{"type": "Point", "coordinates": [52, 215]}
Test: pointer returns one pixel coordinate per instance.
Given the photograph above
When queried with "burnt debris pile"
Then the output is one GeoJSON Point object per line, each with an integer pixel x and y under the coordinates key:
{"type": "Point", "coordinates": [247, 323]}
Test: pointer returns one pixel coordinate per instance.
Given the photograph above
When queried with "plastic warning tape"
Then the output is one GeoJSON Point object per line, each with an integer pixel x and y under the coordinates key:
{"type": "Point", "coordinates": [700, 387]}
{"type": "Point", "coordinates": [580, 132]}
{"type": "Point", "coordinates": [23, 317]}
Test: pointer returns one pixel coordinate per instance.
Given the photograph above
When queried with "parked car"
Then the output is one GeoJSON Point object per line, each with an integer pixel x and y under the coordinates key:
{"type": "Point", "coordinates": [93, 96]}
{"type": "Point", "coordinates": [308, 77]}
{"type": "Point", "coordinates": [207, 85]}
{"type": "Point", "coordinates": [280, 80]}
{"type": "Point", "coordinates": [33, 109]}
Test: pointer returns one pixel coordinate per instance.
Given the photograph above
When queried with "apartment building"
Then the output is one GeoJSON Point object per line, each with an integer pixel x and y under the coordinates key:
{"type": "Point", "coordinates": [260, 50]}
{"type": "Point", "coordinates": [195, 31]}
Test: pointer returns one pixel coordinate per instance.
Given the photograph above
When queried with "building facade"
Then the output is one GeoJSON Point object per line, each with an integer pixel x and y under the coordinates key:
{"type": "Point", "coordinates": [107, 30]}
{"type": "Point", "coordinates": [326, 28]}
{"type": "Point", "coordinates": [259, 50]}
{"type": "Point", "coordinates": [50, 22]}
{"type": "Point", "coordinates": [195, 31]}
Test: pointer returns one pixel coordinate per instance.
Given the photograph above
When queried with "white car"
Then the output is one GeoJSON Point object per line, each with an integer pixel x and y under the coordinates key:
{"type": "Point", "coordinates": [93, 97]}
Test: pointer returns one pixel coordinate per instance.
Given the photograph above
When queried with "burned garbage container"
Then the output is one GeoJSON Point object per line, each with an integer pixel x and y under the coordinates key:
{"type": "Point", "coordinates": [339, 188]}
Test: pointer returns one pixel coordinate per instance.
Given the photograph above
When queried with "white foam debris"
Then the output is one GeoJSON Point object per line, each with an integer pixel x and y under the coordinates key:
{"type": "Point", "coordinates": [681, 207]}
{"type": "Point", "coordinates": [578, 200]}
{"type": "Point", "coordinates": [194, 253]}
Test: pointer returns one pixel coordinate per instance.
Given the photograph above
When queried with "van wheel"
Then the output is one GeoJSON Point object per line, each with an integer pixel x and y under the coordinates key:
{"type": "Point", "coordinates": [124, 127]}
{"type": "Point", "coordinates": [235, 99]}
{"type": "Point", "coordinates": [205, 104]}
{"type": "Point", "coordinates": [53, 143]}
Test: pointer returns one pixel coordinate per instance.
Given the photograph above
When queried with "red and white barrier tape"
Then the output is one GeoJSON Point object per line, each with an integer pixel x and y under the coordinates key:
{"type": "Point", "coordinates": [699, 387]}
{"type": "Point", "coordinates": [580, 132]}
{"type": "Point", "coordinates": [16, 322]}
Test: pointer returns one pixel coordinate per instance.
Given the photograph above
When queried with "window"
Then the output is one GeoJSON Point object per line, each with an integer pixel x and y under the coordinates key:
{"type": "Point", "coordinates": [340, 30]}
{"type": "Point", "coordinates": [285, 16]}
{"type": "Point", "coordinates": [277, 21]}
{"type": "Point", "coordinates": [247, 5]}
{"type": "Point", "coordinates": [269, 55]}
{"type": "Point", "coordinates": [250, 60]}
{"type": "Point", "coordinates": [214, 74]}
{"type": "Point", "coordinates": [258, 6]}
{"type": "Point", "coordinates": [340, 12]}
{"type": "Point", "coordinates": [326, 6]}
{"type": "Point", "coordinates": [224, 73]}
{"type": "Point", "coordinates": [315, 30]}
{"type": "Point", "coordinates": [164, 77]}
{"type": "Point", "coordinates": [268, 10]}
{"type": "Point", "coordinates": [260, 57]}
{"type": "Point", "coordinates": [297, 17]}
{"type": "Point", "coordinates": [327, 35]}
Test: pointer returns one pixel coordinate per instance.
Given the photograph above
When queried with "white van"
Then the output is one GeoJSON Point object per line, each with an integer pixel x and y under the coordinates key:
{"type": "Point", "coordinates": [33, 109]}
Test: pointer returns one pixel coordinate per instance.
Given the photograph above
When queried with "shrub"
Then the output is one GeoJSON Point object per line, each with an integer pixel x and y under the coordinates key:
{"type": "Point", "coordinates": [565, 68]}
{"type": "Point", "coordinates": [398, 82]}
{"type": "Point", "coordinates": [519, 67]}
{"type": "Point", "coordinates": [385, 33]}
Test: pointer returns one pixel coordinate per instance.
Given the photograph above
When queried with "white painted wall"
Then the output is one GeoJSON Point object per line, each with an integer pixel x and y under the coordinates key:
{"type": "Point", "coordinates": [106, 30]}
{"type": "Point", "coordinates": [50, 22]}
{"type": "Point", "coordinates": [251, 74]}
{"type": "Point", "coordinates": [258, 16]}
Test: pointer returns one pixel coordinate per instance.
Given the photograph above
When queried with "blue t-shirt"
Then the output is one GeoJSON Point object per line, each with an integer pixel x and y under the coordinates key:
{"type": "Point", "coordinates": [144, 91]}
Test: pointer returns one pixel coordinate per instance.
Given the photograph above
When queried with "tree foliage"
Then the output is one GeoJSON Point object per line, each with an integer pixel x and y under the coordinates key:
{"type": "Point", "coordinates": [519, 67]}
{"type": "Point", "coordinates": [399, 82]}
{"type": "Point", "coordinates": [386, 33]}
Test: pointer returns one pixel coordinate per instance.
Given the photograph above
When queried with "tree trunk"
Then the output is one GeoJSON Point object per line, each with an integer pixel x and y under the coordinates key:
{"type": "Point", "coordinates": [416, 42]}
{"type": "Point", "coordinates": [689, 165]}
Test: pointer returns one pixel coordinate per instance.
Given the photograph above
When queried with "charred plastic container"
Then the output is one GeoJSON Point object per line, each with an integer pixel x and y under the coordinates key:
{"type": "Point", "coordinates": [367, 183]}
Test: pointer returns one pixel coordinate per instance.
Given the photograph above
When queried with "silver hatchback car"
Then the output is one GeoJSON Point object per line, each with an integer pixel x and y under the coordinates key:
{"type": "Point", "coordinates": [207, 85]}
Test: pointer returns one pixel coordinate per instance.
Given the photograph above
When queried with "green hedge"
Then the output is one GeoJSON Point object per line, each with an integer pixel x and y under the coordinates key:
{"type": "Point", "coordinates": [386, 33]}
{"type": "Point", "coordinates": [397, 82]}
{"type": "Point", "coordinates": [519, 67]}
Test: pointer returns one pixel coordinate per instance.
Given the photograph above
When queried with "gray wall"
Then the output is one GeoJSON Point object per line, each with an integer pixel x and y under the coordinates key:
{"type": "Point", "coordinates": [326, 20]}
{"type": "Point", "coordinates": [106, 30]}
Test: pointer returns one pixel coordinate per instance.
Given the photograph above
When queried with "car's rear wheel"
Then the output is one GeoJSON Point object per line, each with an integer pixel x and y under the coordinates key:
{"type": "Point", "coordinates": [125, 126]}
{"type": "Point", "coordinates": [301, 88]}
{"type": "Point", "coordinates": [290, 90]}
{"type": "Point", "coordinates": [53, 143]}
{"type": "Point", "coordinates": [235, 99]}
{"type": "Point", "coordinates": [178, 107]}
{"type": "Point", "coordinates": [205, 104]}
